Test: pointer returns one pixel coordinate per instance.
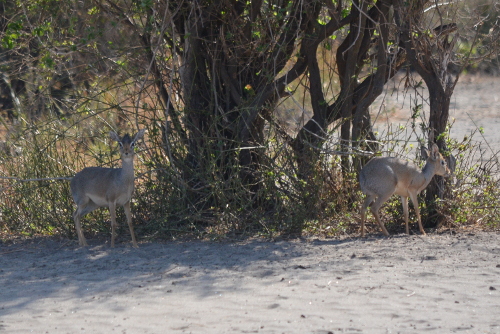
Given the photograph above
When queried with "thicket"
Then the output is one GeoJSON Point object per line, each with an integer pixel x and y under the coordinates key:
{"type": "Point", "coordinates": [257, 113]}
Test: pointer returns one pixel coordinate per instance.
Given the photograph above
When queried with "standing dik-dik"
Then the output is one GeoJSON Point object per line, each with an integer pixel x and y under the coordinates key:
{"type": "Point", "coordinates": [95, 187]}
{"type": "Point", "coordinates": [382, 177]}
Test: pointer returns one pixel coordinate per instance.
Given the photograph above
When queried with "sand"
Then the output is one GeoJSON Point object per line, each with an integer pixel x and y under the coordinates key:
{"type": "Point", "coordinates": [439, 283]}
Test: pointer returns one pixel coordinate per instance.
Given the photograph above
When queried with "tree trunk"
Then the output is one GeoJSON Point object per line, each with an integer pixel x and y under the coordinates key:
{"type": "Point", "coordinates": [438, 120]}
{"type": "Point", "coordinates": [430, 56]}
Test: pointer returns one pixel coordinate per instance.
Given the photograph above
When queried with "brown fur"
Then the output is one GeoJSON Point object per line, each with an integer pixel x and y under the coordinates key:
{"type": "Point", "coordinates": [95, 187]}
{"type": "Point", "coordinates": [382, 177]}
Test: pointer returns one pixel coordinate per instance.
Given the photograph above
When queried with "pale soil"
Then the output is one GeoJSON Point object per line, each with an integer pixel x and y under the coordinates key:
{"type": "Point", "coordinates": [440, 283]}
{"type": "Point", "coordinates": [448, 283]}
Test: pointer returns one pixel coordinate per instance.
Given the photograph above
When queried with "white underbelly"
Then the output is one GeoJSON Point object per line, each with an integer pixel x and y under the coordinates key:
{"type": "Point", "coordinates": [402, 190]}
{"type": "Point", "coordinates": [102, 201]}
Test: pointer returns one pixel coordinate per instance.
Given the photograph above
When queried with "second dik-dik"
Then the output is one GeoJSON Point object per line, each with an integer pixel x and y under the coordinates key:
{"type": "Point", "coordinates": [95, 187]}
{"type": "Point", "coordinates": [382, 177]}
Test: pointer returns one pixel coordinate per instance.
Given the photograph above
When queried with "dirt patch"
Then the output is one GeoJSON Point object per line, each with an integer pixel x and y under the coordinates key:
{"type": "Point", "coordinates": [437, 283]}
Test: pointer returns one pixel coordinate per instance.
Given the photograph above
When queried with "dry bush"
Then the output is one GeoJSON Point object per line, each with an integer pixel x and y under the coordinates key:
{"type": "Point", "coordinates": [327, 204]}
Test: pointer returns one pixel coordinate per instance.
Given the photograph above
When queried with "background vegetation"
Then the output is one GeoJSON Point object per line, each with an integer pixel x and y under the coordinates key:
{"type": "Point", "coordinates": [257, 111]}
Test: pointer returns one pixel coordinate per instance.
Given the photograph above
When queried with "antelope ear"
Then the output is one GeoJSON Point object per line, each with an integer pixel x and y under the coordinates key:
{"type": "Point", "coordinates": [435, 151]}
{"type": "Point", "coordinates": [139, 135]}
{"type": "Point", "coordinates": [424, 152]}
{"type": "Point", "coordinates": [113, 135]}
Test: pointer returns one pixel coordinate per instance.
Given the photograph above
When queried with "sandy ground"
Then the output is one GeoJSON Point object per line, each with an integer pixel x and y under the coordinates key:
{"type": "Point", "coordinates": [440, 283]}
{"type": "Point", "coordinates": [447, 283]}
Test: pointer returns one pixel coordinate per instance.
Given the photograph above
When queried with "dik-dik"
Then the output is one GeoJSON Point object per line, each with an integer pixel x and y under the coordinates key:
{"type": "Point", "coordinates": [382, 177]}
{"type": "Point", "coordinates": [95, 187]}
